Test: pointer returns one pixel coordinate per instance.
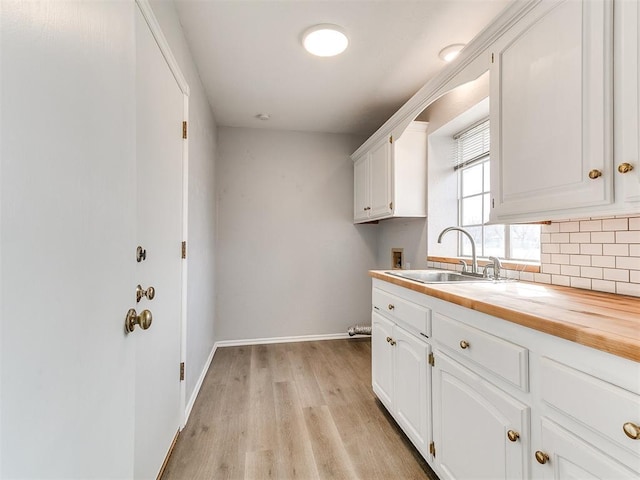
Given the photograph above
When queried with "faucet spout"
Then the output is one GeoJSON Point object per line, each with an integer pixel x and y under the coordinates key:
{"type": "Point", "coordinates": [474, 258]}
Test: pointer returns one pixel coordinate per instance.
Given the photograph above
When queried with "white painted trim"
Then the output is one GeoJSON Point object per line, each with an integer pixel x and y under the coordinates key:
{"type": "Point", "coordinates": [198, 386]}
{"type": "Point", "coordinates": [269, 340]}
{"type": "Point", "coordinates": [161, 40]}
{"type": "Point", "coordinates": [451, 76]}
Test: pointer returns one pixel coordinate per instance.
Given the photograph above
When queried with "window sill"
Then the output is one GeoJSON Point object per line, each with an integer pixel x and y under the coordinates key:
{"type": "Point", "coordinates": [507, 264]}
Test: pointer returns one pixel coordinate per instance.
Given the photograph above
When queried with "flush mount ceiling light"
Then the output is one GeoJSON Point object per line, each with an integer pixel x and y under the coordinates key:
{"type": "Point", "coordinates": [450, 52]}
{"type": "Point", "coordinates": [325, 40]}
{"type": "Point", "coordinates": [263, 116]}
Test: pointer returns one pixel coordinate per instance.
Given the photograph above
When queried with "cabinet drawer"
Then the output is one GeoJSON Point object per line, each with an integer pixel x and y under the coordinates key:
{"type": "Point", "coordinates": [408, 314]}
{"type": "Point", "coordinates": [599, 405]}
{"type": "Point", "coordinates": [505, 359]}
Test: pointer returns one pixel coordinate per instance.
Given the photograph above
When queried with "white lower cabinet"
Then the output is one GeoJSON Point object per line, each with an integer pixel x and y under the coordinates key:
{"type": "Point", "coordinates": [400, 378]}
{"type": "Point", "coordinates": [501, 401]}
{"type": "Point", "coordinates": [564, 456]}
{"type": "Point", "coordinates": [479, 431]}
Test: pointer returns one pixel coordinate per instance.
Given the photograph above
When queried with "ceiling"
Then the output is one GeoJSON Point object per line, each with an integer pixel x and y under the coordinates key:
{"type": "Point", "coordinates": [251, 60]}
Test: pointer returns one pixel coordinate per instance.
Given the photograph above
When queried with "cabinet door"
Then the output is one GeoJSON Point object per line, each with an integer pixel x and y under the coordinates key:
{"type": "Point", "coordinates": [471, 420]}
{"type": "Point", "coordinates": [570, 458]}
{"type": "Point", "coordinates": [380, 187]}
{"type": "Point", "coordinates": [627, 98]}
{"type": "Point", "coordinates": [382, 359]}
{"type": "Point", "coordinates": [551, 107]}
{"type": "Point", "coordinates": [361, 189]}
{"type": "Point", "coordinates": [411, 380]}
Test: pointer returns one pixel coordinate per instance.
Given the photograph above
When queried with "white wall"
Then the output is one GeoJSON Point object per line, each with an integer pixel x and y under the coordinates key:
{"type": "Point", "coordinates": [409, 234]}
{"type": "Point", "coordinates": [201, 222]}
{"type": "Point", "coordinates": [289, 259]}
{"type": "Point", "coordinates": [67, 160]}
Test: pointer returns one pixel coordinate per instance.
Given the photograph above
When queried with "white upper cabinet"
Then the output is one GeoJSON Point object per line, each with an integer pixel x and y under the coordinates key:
{"type": "Point", "coordinates": [627, 111]}
{"type": "Point", "coordinates": [390, 178]}
{"type": "Point", "coordinates": [551, 112]}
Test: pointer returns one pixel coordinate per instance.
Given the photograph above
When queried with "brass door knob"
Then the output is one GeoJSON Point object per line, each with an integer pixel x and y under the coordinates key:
{"type": "Point", "coordinates": [464, 344]}
{"type": "Point", "coordinates": [132, 319]}
{"type": "Point", "coordinates": [513, 436]}
{"type": "Point", "coordinates": [391, 306]}
{"type": "Point", "coordinates": [625, 167]}
{"type": "Point", "coordinates": [389, 339]}
{"type": "Point", "coordinates": [149, 293]}
{"type": "Point", "coordinates": [631, 430]}
{"type": "Point", "coordinates": [593, 174]}
{"type": "Point", "coordinates": [542, 457]}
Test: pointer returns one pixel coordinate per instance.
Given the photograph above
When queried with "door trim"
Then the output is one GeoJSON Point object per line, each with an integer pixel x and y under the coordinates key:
{"type": "Point", "coordinates": [156, 31]}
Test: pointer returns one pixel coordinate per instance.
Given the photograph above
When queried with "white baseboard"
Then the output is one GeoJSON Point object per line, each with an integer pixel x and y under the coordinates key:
{"type": "Point", "coordinates": [196, 390]}
{"type": "Point", "coordinates": [264, 341]}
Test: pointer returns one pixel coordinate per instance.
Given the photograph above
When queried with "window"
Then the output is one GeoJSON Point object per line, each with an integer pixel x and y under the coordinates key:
{"type": "Point", "coordinates": [514, 242]}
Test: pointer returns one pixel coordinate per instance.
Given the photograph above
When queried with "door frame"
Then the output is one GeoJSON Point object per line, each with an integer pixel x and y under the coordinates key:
{"type": "Point", "coordinates": [163, 45]}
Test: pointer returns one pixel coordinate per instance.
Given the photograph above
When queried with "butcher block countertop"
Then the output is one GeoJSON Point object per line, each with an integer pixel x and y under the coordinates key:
{"type": "Point", "coordinates": [604, 321]}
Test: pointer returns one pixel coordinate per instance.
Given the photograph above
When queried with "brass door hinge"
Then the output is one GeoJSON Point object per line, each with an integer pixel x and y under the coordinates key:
{"type": "Point", "coordinates": [181, 371]}
{"type": "Point", "coordinates": [184, 129]}
{"type": "Point", "coordinates": [184, 249]}
{"type": "Point", "coordinates": [432, 449]}
{"type": "Point", "coordinates": [390, 205]}
{"type": "Point", "coordinates": [432, 360]}
{"type": "Point", "coordinates": [390, 138]}
{"type": "Point", "coordinates": [492, 58]}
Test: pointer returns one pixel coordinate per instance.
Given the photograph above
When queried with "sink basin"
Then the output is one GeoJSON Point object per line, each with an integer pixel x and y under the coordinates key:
{"type": "Point", "coordinates": [439, 276]}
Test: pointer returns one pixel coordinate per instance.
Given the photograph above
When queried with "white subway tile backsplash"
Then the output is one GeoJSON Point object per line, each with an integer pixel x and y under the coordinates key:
{"type": "Point", "coordinates": [603, 237]}
{"type": "Point", "coordinates": [604, 286]}
{"type": "Point", "coordinates": [619, 249]}
{"type": "Point", "coordinates": [591, 272]}
{"type": "Point", "coordinates": [580, 260]}
{"type": "Point", "coordinates": [590, 249]}
{"type": "Point", "coordinates": [579, 282]}
{"type": "Point", "coordinates": [560, 237]}
{"type": "Point", "coordinates": [632, 263]}
{"type": "Point", "coordinates": [589, 226]}
{"type": "Point", "coordinates": [570, 227]}
{"type": "Point", "coordinates": [628, 289]}
{"type": "Point", "coordinates": [614, 224]}
{"type": "Point", "coordinates": [580, 238]}
{"type": "Point", "coordinates": [627, 237]}
{"type": "Point", "coordinates": [603, 261]}
{"type": "Point", "coordinates": [561, 280]}
{"type": "Point", "coordinates": [594, 253]}
{"type": "Point", "coordinates": [615, 274]}
{"type": "Point", "coordinates": [570, 248]}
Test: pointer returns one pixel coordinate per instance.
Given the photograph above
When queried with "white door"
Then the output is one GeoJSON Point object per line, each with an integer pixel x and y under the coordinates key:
{"type": "Point", "coordinates": [361, 189]}
{"type": "Point", "coordinates": [412, 402]}
{"type": "Point", "coordinates": [570, 458]}
{"type": "Point", "coordinates": [159, 111]}
{"type": "Point", "coordinates": [382, 359]}
{"type": "Point", "coordinates": [380, 175]}
{"type": "Point", "coordinates": [471, 421]}
{"type": "Point", "coordinates": [67, 218]}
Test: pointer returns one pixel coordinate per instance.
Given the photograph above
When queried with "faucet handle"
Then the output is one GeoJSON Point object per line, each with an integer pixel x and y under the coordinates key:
{"type": "Point", "coordinates": [497, 266]}
{"type": "Point", "coordinates": [464, 265]}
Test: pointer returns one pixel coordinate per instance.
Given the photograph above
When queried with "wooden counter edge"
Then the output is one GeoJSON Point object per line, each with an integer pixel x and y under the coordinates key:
{"type": "Point", "coordinates": [602, 340]}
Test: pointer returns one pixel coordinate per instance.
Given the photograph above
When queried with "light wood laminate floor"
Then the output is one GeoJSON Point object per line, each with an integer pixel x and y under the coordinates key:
{"type": "Point", "coordinates": [293, 411]}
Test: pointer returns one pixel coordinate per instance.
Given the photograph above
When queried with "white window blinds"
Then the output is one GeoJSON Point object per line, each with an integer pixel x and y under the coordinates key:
{"type": "Point", "coordinates": [472, 144]}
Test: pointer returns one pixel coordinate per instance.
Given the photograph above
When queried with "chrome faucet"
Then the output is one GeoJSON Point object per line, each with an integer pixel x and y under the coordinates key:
{"type": "Point", "coordinates": [474, 259]}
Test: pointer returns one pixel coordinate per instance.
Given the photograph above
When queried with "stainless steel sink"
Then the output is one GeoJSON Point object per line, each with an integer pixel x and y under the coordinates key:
{"type": "Point", "coordinates": [439, 276]}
